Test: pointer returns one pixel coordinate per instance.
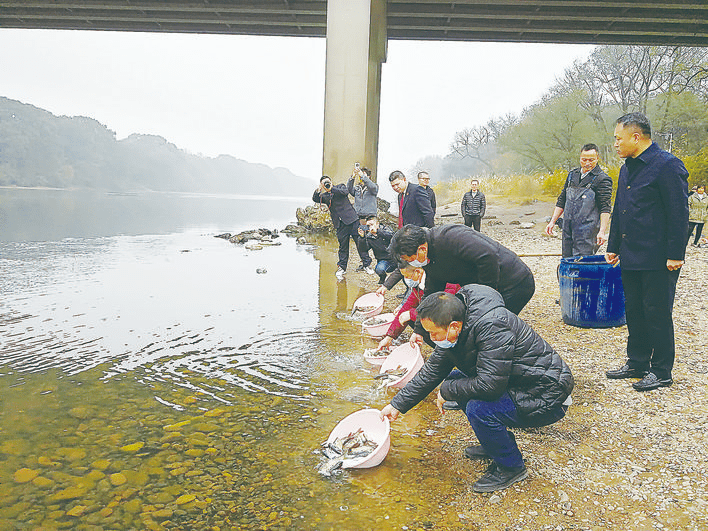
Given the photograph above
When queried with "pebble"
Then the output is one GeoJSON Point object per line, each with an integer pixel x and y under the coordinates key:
{"type": "Point", "coordinates": [184, 499]}
{"type": "Point", "coordinates": [25, 475]}
{"type": "Point", "coordinates": [117, 479]}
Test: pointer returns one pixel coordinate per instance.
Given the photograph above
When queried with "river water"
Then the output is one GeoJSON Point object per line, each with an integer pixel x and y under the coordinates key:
{"type": "Point", "coordinates": [150, 377]}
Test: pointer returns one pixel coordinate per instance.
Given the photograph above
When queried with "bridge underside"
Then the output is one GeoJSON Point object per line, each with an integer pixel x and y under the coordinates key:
{"type": "Point", "coordinates": [660, 22]}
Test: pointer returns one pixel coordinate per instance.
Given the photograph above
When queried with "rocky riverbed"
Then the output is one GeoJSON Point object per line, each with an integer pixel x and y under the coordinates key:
{"type": "Point", "coordinates": [620, 459]}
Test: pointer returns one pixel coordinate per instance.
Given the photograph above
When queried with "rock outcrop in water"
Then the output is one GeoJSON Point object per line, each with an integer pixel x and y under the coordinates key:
{"type": "Point", "coordinates": [316, 218]}
{"type": "Point", "coordinates": [254, 239]}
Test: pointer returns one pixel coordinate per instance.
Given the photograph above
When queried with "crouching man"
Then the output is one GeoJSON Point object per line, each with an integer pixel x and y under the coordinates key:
{"type": "Point", "coordinates": [507, 376]}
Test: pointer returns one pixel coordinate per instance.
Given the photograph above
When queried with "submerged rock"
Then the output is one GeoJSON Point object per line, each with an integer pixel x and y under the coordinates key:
{"type": "Point", "coordinates": [25, 475]}
{"type": "Point", "coordinates": [255, 234]}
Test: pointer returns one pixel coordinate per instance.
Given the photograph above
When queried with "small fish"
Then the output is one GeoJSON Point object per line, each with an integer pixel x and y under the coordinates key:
{"type": "Point", "coordinates": [373, 353]}
{"type": "Point", "coordinates": [362, 309]}
{"type": "Point", "coordinates": [329, 467]}
{"type": "Point", "coordinates": [354, 445]}
{"type": "Point", "coordinates": [392, 374]}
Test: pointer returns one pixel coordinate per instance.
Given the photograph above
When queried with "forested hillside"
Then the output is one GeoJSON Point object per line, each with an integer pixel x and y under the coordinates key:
{"type": "Point", "coordinates": [40, 149]}
{"type": "Point", "coordinates": [667, 83]}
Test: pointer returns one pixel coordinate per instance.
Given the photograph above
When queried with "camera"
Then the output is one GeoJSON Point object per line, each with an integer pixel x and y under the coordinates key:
{"type": "Point", "coordinates": [327, 185]}
{"type": "Point", "coordinates": [356, 165]}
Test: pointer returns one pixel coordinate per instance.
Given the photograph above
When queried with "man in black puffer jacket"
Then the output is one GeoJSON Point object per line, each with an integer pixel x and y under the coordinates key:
{"type": "Point", "coordinates": [507, 376]}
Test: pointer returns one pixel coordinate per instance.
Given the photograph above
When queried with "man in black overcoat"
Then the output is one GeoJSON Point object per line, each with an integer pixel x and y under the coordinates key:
{"type": "Point", "coordinates": [414, 206]}
{"type": "Point", "coordinates": [507, 376]}
{"type": "Point", "coordinates": [648, 236]}
{"type": "Point", "coordinates": [457, 254]}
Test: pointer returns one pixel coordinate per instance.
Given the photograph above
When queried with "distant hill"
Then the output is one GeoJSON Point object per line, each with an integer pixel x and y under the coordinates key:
{"type": "Point", "coordinates": [40, 149]}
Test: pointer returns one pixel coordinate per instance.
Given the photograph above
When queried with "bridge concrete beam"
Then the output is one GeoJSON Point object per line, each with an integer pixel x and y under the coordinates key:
{"type": "Point", "coordinates": [356, 49]}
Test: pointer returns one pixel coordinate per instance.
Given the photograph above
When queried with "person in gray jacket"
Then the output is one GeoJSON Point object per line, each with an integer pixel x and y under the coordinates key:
{"type": "Point", "coordinates": [364, 191]}
{"type": "Point", "coordinates": [507, 377]}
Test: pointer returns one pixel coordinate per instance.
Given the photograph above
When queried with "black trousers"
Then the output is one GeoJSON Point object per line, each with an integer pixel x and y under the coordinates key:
{"type": "Point", "coordinates": [649, 302]}
{"type": "Point", "coordinates": [473, 221]}
{"type": "Point", "coordinates": [344, 232]}
{"type": "Point", "coordinates": [699, 230]}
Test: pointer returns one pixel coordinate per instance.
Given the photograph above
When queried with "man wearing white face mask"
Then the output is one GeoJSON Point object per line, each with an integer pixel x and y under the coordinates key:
{"type": "Point", "coordinates": [507, 377]}
{"type": "Point", "coordinates": [414, 278]}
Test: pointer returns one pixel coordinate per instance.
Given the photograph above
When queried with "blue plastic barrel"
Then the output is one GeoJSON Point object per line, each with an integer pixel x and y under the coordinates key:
{"type": "Point", "coordinates": [591, 292]}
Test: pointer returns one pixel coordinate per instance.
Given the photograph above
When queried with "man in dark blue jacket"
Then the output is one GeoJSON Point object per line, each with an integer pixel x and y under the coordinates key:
{"type": "Point", "coordinates": [413, 202]}
{"type": "Point", "coordinates": [344, 219]}
{"type": "Point", "coordinates": [648, 234]}
{"type": "Point", "coordinates": [507, 376]}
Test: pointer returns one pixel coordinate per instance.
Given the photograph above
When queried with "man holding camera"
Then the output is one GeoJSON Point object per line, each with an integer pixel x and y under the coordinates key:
{"type": "Point", "coordinates": [364, 192]}
{"type": "Point", "coordinates": [344, 219]}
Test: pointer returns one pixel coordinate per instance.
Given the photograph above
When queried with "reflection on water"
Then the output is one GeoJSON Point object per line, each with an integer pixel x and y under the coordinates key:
{"type": "Point", "coordinates": [159, 382]}
{"type": "Point", "coordinates": [45, 215]}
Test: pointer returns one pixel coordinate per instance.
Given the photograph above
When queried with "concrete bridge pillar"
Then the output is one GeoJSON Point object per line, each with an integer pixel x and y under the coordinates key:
{"type": "Point", "coordinates": [356, 48]}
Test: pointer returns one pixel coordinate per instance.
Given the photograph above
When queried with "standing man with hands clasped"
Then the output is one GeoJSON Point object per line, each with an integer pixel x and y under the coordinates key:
{"type": "Point", "coordinates": [585, 205]}
{"type": "Point", "coordinates": [474, 205]}
{"type": "Point", "coordinates": [648, 234]}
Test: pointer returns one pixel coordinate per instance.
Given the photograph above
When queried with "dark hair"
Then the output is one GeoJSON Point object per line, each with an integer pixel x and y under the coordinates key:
{"type": "Point", "coordinates": [324, 177]}
{"type": "Point", "coordinates": [441, 308]}
{"type": "Point", "coordinates": [637, 120]}
{"type": "Point", "coordinates": [367, 171]}
{"type": "Point", "coordinates": [474, 181]}
{"type": "Point", "coordinates": [406, 241]}
{"type": "Point", "coordinates": [369, 218]}
{"type": "Point", "coordinates": [396, 174]}
{"type": "Point", "coordinates": [590, 147]}
{"type": "Point", "coordinates": [423, 173]}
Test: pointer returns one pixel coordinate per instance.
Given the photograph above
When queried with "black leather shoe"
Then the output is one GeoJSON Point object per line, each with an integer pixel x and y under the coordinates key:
{"type": "Point", "coordinates": [625, 372]}
{"type": "Point", "coordinates": [499, 477]}
{"type": "Point", "coordinates": [651, 382]}
{"type": "Point", "coordinates": [451, 405]}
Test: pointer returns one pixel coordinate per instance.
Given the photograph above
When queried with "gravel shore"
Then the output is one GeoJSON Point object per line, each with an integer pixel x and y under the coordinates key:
{"type": "Point", "coordinates": [620, 459]}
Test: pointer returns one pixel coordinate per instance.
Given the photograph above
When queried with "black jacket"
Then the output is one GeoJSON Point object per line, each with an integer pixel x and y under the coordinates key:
{"type": "Point", "coordinates": [431, 195]}
{"type": "Point", "coordinates": [499, 353]}
{"type": "Point", "coordinates": [474, 206]}
{"type": "Point", "coordinates": [650, 218]}
{"type": "Point", "coordinates": [380, 242]}
{"type": "Point", "coordinates": [461, 255]}
{"type": "Point", "coordinates": [337, 200]}
{"type": "Point", "coordinates": [416, 207]}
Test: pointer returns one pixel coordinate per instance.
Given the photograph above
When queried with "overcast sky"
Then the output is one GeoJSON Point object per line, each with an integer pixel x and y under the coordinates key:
{"type": "Point", "coordinates": [261, 99]}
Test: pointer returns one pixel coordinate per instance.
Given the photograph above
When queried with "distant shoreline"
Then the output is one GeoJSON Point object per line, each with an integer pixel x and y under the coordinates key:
{"type": "Point", "coordinates": [217, 195]}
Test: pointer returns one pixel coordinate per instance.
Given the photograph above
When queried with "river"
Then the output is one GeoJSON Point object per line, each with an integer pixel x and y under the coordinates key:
{"type": "Point", "coordinates": [150, 377]}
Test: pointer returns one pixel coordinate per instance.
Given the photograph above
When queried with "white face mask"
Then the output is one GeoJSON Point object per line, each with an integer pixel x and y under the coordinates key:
{"type": "Point", "coordinates": [411, 283]}
{"type": "Point", "coordinates": [445, 343]}
{"type": "Point", "coordinates": [418, 263]}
